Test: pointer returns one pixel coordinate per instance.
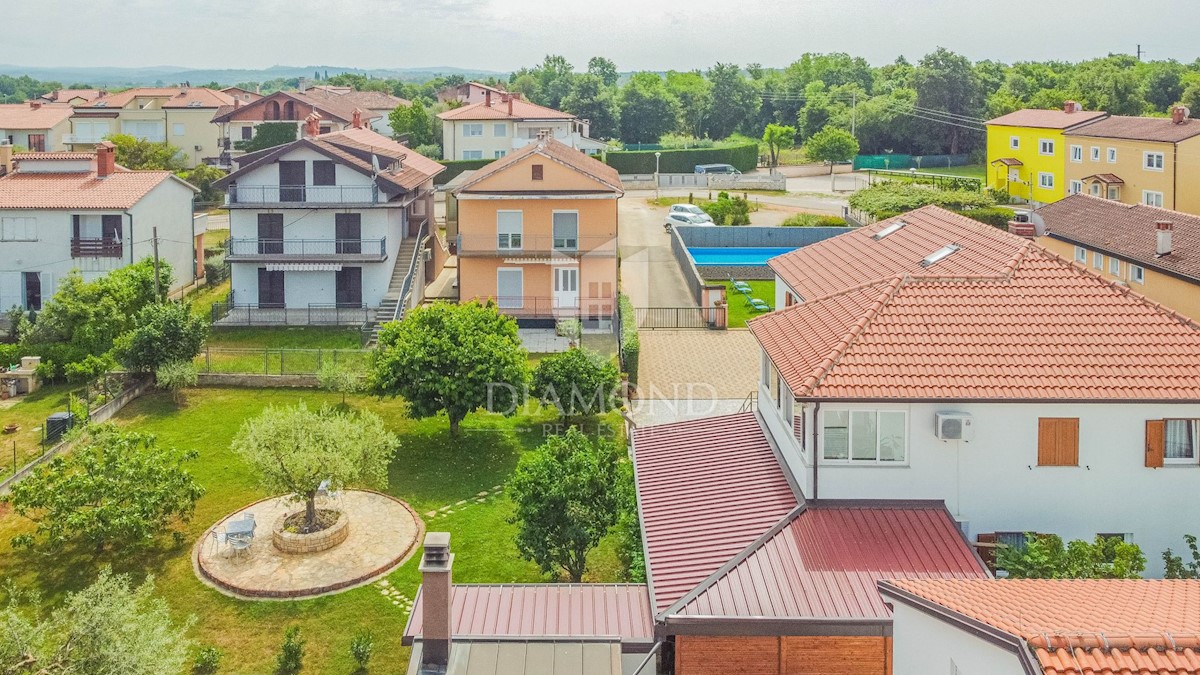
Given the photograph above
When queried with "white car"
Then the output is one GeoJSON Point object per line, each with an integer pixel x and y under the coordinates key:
{"type": "Point", "coordinates": [676, 218]}
{"type": "Point", "coordinates": [691, 209]}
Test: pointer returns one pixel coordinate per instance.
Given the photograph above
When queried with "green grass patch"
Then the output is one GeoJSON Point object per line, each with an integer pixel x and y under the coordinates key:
{"type": "Point", "coordinates": [701, 201]}
{"type": "Point", "coordinates": [29, 413]}
{"type": "Point", "coordinates": [204, 297]}
{"type": "Point", "coordinates": [739, 309]}
{"type": "Point", "coordinates": [286, 337]}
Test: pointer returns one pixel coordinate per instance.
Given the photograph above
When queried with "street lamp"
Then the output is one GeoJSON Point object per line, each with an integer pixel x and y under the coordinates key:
{"type": "Point", "coordinates": [657, 156]}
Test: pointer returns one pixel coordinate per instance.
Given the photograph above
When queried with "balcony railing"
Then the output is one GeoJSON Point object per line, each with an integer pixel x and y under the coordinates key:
{"type": "Point", "coordinates": [305, 194]}
{"type": "Point", "coordinates": [539, 307]}
{"type": "Point", "coordinates": [96, 248]}
{"type": "Point", "coordinates": [312, 314]}
{"type": "Point", "coordinates": [535, 245]}
{"type": "Point", "coordinates": [81, 139]}
{"type": "Point", "coordinates": [302, 250]}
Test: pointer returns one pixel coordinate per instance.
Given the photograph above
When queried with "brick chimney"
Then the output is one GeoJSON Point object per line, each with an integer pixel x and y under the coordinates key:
{"type": "Point", "coordinates": [106, 159]}
{"type": "Point", "coordinates": [1163, 230]}
{"type": "Point", "coordinates": [436, 596]}
{"type": "Point", "coordinates": [6, 160]}
{"type": "Point", "coordinates": [356, 119]}
{"type": "Point", "coordinates": [487, 98]}
{"type": "Point", "coordinates": [35, 105]}
{"type": "Point", "coordinates": [312, 125]}
{"type": "Point", "coordinates": [1179, 114]}
{"type": "Point", "coordinates": [1027, 230]}
{"type": "Point", "coordinates": [510, 100]}
{"type": "Point", "coordinates": [1070, 107]}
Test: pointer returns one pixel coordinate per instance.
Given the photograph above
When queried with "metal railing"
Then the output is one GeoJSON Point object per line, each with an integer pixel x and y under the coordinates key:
{"type": "Point", "coordinates": [651, 318]}
{"type": "Point", "coordinates": [309, 194]}
{"type": "Point", "coordinates": [313, 314]}
{"type": "Point", "coordinates": [406, 289]}
{"type": "Point", "coordinates": [539, 307]}
{"type": "Point", "coordinates": [96, 248]}
{"type": "Point", "coordinates": [258, 249]}
{"type": "Point", "coordinates": [538, 244]}
{"type": "Point", "coordinates": [251, 361]}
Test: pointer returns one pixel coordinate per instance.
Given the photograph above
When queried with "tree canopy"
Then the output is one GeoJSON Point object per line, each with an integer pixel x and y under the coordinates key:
{"type": "Point", "coordinates": [1044, 556]}
{"type": "Point", "coordinates": [413, 121]}
{"type": "Point", "coordinates": [578, 382]}
{"type": "Point", "coordinates": [269, 135]}
{"type": "Point", "coordinates": [163, 333]}
{"type": "Point", "coordinates": [139, 154]}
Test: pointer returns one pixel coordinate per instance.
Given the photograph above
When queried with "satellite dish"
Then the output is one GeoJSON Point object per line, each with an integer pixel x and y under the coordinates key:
{"type": "Point", "coordinates": [375, 164]}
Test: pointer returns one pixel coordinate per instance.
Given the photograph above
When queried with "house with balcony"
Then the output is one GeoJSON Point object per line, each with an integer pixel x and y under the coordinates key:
{"type": "Point", "coordinates": [181, 116]}
{"type": "Point", "coordinates": [36, 126]}
{"type": "Point", "coordinates": [537, 233]}
{"type": "Point", "coordinates": [328, 229]}
{"type": "Point", "coordinates": [1026, 152]}
{"type": "Point", "coordinates": [501, 124]}
{"type": "Point", "coordinates": [468, 93]}
{"type": "Point", "coordinates": [64, 211]}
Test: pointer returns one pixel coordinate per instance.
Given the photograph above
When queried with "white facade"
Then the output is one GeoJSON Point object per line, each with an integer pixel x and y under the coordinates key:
{"type": "Point", "coordinates": [38, 242]}
{"type": "Point", "coordinates": [925, 645]}
{"type": "Point", "coordinates": [492, 139]}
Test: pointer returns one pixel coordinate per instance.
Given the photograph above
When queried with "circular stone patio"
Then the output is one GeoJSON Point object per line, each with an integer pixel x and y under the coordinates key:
{"type": "Point", "coordinates": [384, 532]}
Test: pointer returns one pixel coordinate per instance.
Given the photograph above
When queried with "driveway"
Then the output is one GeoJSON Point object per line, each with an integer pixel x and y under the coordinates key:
{"type": "Point", "coordinates": [649, 274]}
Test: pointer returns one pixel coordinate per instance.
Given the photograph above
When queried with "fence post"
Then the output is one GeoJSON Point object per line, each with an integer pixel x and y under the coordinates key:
{"type": "Point", "coordinates": [207, 359]}
{"type": "Point", "coordinates": [282, 354]}
{"type": "Point", "coordinates": [266, 362]}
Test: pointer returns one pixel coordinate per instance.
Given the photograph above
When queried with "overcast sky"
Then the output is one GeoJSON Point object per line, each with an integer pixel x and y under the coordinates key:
{"type": "Point", "coordinates": [637, 34]}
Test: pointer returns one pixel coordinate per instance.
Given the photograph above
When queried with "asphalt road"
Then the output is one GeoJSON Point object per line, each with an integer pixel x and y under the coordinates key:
{"type": "Point", "coordinates": [649, 274]}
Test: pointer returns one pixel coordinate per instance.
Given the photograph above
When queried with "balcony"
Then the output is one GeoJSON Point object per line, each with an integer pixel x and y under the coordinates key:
{"type": "Point", "coordinates": [345, 195]}
{"type": "Point", "coordinates": [539, 307]}
{"type": "Point", "coordinates": [306, 250]}
{"type": "Point", "coordinates": [535, 246]}
{"type": "Point", "coordinates": [96, 248]}
{"type": "Point", "coordinates": [81, 139]}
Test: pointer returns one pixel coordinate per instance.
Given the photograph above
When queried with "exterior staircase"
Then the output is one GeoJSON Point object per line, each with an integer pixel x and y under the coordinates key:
{"type": "Point", "coordinates": [387, 306]}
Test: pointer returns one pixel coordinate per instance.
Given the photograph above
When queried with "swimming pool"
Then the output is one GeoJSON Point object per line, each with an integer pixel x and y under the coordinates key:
{"type": "Point", "coordinates": [736, 256]}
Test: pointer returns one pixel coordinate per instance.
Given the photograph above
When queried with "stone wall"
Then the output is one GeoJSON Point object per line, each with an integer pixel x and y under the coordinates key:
{"type": "Point", "coordinates": [254, 381]}
{"type": "Point", "coordinates": [722, 273]}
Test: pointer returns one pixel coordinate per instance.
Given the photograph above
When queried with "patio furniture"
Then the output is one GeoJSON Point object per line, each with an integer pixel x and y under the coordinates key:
{"type": "Point", "coordinates": [241, 528]}
{"type": "Point", "coordinates": [739, 285]}
{"type": "Point", "coordinates": [758, 305]}
{"type": "Point", "coordinates": [240, 544]}
{"type": "Point", "coordinates": [218, 539]}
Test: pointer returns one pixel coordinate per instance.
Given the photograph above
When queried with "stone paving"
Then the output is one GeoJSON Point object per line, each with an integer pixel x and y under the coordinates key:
{"type": "Point", "coordinates": [697, 364]}
{"type": "Point", "coordinates": [384, 532]}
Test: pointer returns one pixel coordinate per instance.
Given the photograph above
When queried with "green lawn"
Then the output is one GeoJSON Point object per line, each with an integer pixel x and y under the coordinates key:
{"type": "Point", "coordinates": [289, 337]}
{"type": "Point", "coordinates": [29, 413]}
{"type": "Point", "coordinates": [739, 310]}
{"type": "Point", "coordinates": [431, 470]}
{"type": "Point", "coordinates": [204, 297]}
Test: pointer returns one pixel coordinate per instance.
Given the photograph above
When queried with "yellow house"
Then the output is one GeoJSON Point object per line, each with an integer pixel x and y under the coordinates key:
{"type": "Point", "coordinates": [537, 233]}
{"type": "Point", "coordinates": [1138, 160]}
{"type": "Point", "coordinates": [1153, 251]}
{"type": "Point", "coordinates": [1025, 152]}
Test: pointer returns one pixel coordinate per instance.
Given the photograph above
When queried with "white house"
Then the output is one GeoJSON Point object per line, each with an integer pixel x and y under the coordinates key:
{"type": "Point", "coordinates": [930, 356]}
{"type": "Point", "coordinates": [36, 125]}
{"type": "Point", "coordinates": [328, 228]}
{"type": "Point", "coordinates": [63, 211]}
{"type": "Point", "coordinates": [502, 123]}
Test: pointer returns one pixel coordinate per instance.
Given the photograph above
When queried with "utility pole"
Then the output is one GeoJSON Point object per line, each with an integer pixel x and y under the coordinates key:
{"type": "Point", "coordinates": [853, 111]}
{"type": "Point", "coordinates": [157, 290]}
{"type": "Point", "coordinates": [1139, 52]}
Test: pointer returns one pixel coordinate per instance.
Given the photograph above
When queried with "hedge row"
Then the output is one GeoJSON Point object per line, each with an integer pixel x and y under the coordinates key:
{"type": "Point", "coordinates": [457, 166]}
{"type": "Point", "coordinates": [743, 157]}
{"type": "Point", "coordinates": [996, 216]}
{"type": "Point", "coordinates": [630, 346]}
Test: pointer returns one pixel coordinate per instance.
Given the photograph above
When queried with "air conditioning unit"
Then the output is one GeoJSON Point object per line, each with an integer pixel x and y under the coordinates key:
{"type": "Point", "coordinates": [954, 426]}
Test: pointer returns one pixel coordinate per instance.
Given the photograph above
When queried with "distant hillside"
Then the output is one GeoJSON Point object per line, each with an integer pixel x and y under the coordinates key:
{"type": "Point", "coordinates": [168, 75]}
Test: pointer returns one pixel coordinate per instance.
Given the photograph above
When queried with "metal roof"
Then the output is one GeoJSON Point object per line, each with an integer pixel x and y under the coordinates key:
{"type": "Point", "coordinates": [497, 657]}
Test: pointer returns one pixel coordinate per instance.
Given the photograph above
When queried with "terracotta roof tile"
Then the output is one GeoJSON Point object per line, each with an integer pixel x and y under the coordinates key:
{"type": "Point", "coordinates": [521, 110]}
{"type": "Point", "coordinates": [64, 95]}
{"type": "Point", "coordinates": [58, 155]}
{"type": "Point", "coordinates": [1127, 231]}
{"type": "Point", "coordinates": [1083, 626]}
{"type": "Point", "coordinates": [366, 100]}
{"type": "Point", "coordinates": [1046, 119]}
{"type": "Point", "coordinates": [22, 116]}
{"type": "Point", "coordinates": [1156, 129]}
{"type": "Point", "coordinates": [178, 97]}
{"type": "Point", "coordinates": [118, 191]}
{"type": "Point", "coordinates": [555, 150]}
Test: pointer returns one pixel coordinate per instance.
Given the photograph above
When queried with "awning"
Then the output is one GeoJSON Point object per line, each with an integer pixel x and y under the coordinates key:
{"type": "Point", "coordinates": [1008, 161]}
{"type": "Point", "coordinates": [564, 260]}
{"type": "Point", "coordinates": [1106, 178]}
{"type": "Point", "coordinates": [304, 267]}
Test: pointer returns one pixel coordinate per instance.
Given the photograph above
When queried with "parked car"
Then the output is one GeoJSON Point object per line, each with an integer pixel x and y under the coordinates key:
{"type": "Point", "coordinates": [716, 168]}
{"type": "Point", "coordinates": [676, 218]}
{"type": "Point", "coordinates": [691, 209]}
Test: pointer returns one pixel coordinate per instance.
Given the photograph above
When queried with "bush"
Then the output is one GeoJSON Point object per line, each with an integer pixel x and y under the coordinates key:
{"type": "Point", "coordinates": [215, 269]}
{"type": "Point", "coordinates": [269, 135]}
{"type": "Point", "coordinates": [569, 328]}
{"type": "Point", "coordinates": [175, 377]}
{"type": "Point", "coordinates": [728, 210]}
{"type": "Point", "coordinates": [897, 197]}
{"type": "Point", "coordinates": [362, 646]}
{"type": "Point", "coordinates": [578, 382]}
{"type": "Point", "coordinates": [1045, 556]}
{"type": "Point", "coordinates": [743, 157]}
{"type": "Point", "coordinates": [163, 333]}
{"type": "Point", "coordinates": [339, 378]}
{"type": "Point", "coordinates": [813, 220]}
{"type": "Point", "coordinates": [89, 368]}
{"type": "Point", "coordinates": [631, 347]}
{"type": "Point", "coordinates": [431, 150]}
{"type": "Point", "coordinates": [457, 166]}
{"type": "Point", "coordinates": [208, 659]}
{"type": "Point", "coordinates": [9, 355]}
{"type": "Point", "coordinates": [291, 653]}
{"type": "Point", "coordinates": [996, 216]}
{"type": "Point", "coordinates": [1176, 568]}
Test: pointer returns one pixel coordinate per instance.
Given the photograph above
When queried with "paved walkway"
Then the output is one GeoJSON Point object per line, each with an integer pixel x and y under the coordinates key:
{"type": "Point", "coordinates": [697, 364]}
{"type": "Point", "coordinates": [649, 274]}
{"type": "Point", "coordinates": [384, 533]}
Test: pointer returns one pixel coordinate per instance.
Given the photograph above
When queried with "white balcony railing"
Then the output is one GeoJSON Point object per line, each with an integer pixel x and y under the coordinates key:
{"type": "Point", "coordinates": [308, 194]}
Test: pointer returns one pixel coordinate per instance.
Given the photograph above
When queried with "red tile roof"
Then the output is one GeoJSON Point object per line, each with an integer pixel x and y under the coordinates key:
{"type": "Point", "coordinates": [1127, 231]}
{"type": "Point", "coordinates": [545, 611]}
{"type": "Point", "coordinates": [1081, 626]}
{"type": "Point", "coordinates": [521, 110]}
{"type": "Point", "coordinates": [178, 97]}
{"type": "Point", "coordinates": [57, 155]}
{"type": "Point", "coordinates": [556, 151]}
{"type": "Point", "coordinates": [64, 95]}
{"type": "Point", "coordinates": [366, 100]}
{"type": "Point", "coordinates": [1046, 119]}
{"type": "Point", "coordinates": [1036, 328]}
{"type": "Point", "coordinates": [1154, 129]}
{"type": "Point", "coordinates": [22, 116]}
{"type": "Point", "coordinates": [826, 560]}
{"type": "Point", "coordinates": [707, 488]}
{"type": "Point", "coordinates": [82, 190]}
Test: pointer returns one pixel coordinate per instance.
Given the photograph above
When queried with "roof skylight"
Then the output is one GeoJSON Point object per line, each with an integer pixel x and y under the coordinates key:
{"type": "Point", "coordinates": [890, 229]}
{"type": "Point", "coordinates": [940, 254]}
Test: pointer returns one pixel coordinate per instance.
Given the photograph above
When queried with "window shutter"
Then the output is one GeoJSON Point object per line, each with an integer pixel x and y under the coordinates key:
{"type": "Point", "coordinates": [1058, 441]}
{"type": "Point", "coordinates": [537, 172]}
{"type": "Point", "coordinates": [1155, 443]}
{"type": "Point", "coordinates": [987, 552]}
{"type": "Point", "coordinates": [75, 226]}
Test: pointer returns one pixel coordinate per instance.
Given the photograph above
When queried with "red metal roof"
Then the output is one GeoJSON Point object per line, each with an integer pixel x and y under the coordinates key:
{"type": "Point", "coordinates": [825, 563]}
{"type": "Point", "coordinates": [707, 489]}
{"type": "Point", "coordinates": [545, 611]}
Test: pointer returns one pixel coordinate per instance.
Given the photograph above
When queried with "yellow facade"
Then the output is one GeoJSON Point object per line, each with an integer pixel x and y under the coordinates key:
{"type": "Point", "coordinates": [1040, 177]}
{"type": "Point", "coordinates": [1173, 185]}
{"type": "Point", "coordinates": [1181, 295]}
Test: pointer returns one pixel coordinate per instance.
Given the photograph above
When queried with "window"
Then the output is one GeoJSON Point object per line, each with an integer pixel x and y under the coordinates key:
{"type": "Point", "coordinates": [247, 133]}
{"type": "Point", "coordinates": [510, 288]}
{"type": "Point", "coordinates": [1137, 273]}
{"type": "Point", "coordinates": [90, 132]}
{"type": "Point", "coordinates": [1114, 192]}
{"type": "Point", "coordinates": [324, 173]}
{"type": "Point", "coordinates": [538, 171]}
{"type": "Point", "coordinates": [1095, 153]}
{"type": "Point", "coordinates": [1152, 198]}
{"type": "Point", "coordinates": [1152, 161]}
{"type": "Point", "coordinates": [1112, 155]}
{"type": "Point", "coordinates": [1094, 189]}
{"type": "Point", "coordinates": [471, 130]}
{"type": "Point", "coordinates": [1017, 540]}
{"type": "Point", "coordinates": [499, 130]}
{"type": "Point", "coordinates": [178, 129]}
{"type": "Point", "coordinates": [18, 229]}
{"type": "Point", "coordinates": [566, 230]}
{"type": "Point", "coordinates": [509, 225]}
{"type": "Point", "coordinates": [472, 154]}
{"type": "Point", "coordinates": [1180, 437]}
{"type": "Point", "coordinates": [1058, 441]}
{"type": "Point", "coordinates": [1075, 187]}
{"type": "Point", "coordinates": [1045, 180]}
{"type": "Point", "coordinates": [1014, 142]}
{"type": "Point", "coordinates": [1114, 267]}
{"type": "Point", "coordinates": [1080, 255]}
{"type": "Point", "coordinates": [147, 130]}
{"type": "Point", "coordinates": [1076, 153]}
{"type": "Point", "coordinates": [500, 153]}
{"type": "Point", "coordinates": [1045, 147]}
{"type": "Point", "coordinates": [862, 436]}
{"type": "Point", "coordinates": [1098, 260]}
{"type": "Point", "coordinates": [773, 386]}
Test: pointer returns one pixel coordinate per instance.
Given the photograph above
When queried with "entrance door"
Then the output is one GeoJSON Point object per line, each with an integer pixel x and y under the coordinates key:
{"type": "Point", "coordinates": [566, 287]}
{"type": "Point", "coordinates": [37, 142]}
{"type": "Point", "coordinates": [33, 291]}
{"type": "Point", "coordinates": [348, 287]}
{"type": "Point", "coordinates": [270, 289]}
{"type": "Point", "coordinates": [291, 181]}
{"type": "Point", "coordinates": [347, 230]}
{"type": "Point", "coordinates": [270, 233]}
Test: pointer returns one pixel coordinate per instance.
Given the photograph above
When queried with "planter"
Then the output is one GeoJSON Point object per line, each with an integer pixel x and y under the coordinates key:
{"type": "Point", "coordinates": [293, 542]}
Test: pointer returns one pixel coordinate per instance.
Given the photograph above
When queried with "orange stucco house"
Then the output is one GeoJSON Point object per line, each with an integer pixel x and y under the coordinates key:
{"type": "Point", "coordinates": [537, 233]}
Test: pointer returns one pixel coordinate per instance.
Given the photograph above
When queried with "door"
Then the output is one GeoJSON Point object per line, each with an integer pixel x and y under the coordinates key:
{"type": "Point", "coordinates": [510, 288]}
{"type": "Point", "coordinates": [291, 181]}
{"type": "Point", "coordinates": [270, 289]}
{"type": "Point", "coordinates": [37, 142]}
{"type": "Point", "coordinates": [33, 291]}
{"type": "Point", "coordinates": [270, 233]}
{"type": "Point", "coordinates": [348, 287]}
{"type": "Point", "coordinates": [347, 228]}
{"type": "Point", "coordinates": [566, 287]}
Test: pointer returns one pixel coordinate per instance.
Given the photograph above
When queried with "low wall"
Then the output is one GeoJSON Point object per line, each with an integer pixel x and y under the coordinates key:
{"type": "Point", "coordinates": [751, 236]}
{"type": "Point", "coordinates": [805, 170]}
{"type": "Point", "coordinates": [687, 266]}
{"type": "Point", "coordinates": [723, 273]}
{"type": "Point", "coordinates": [254, 381]}
{"type": "Point", "coordinates": [755, 181]}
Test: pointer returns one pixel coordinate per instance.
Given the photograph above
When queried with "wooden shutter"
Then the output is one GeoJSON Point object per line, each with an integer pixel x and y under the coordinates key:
{"type": "Point", "coordinates": [986, 547]}
{"type": "Point", "coordinates": [537, 172]}
{"type": "Point", "coordinates": [1058, 441]}
{"type": "Point", "coordinates": [1155, 443]}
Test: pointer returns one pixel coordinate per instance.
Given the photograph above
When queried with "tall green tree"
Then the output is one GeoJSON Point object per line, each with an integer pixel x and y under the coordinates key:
{"type": "Point", "coordinates": [414, 121]}
{"type": "Point", "coordinates": [139, 154]}
{"type": "Point", "coordinates": [648, 110]}
{"type": "Point", "coordinates": [694, 94]}
{"type": "Point", "coordinates": [592, 100]}
{"type": "Point", "coordinates": [1111, 84]}
{"type": "Point", "coordinates": [578, 382]}
{"type": "Point", "coordinates": [833, 146]}
{"type": "Point", "coordinates": [455, 358]}
{"type": "Point", "coordinates": [738, 101]}
{"type": "Point", "coordinates": [778, 137]}
{"type": "Point", "coordinates": [604, 69]}
{"type": "Point", "coordinates": [269, 135]}
{"type": "Point", "coordinates": [163, 333]}
{"type": "Point", "coordinates": [945, 82]}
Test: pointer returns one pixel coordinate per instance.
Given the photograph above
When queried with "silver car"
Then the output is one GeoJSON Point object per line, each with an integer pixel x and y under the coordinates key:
{"type": "Point", "coordinates": [691, 210]}
{"type": "Point", "coordinates": [676, 218]}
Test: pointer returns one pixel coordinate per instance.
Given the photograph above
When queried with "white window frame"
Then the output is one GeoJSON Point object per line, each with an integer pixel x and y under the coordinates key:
{"type": "Point", "coordinates": [554, 235]}
{"type": "Point", "coordinates": [1094, 189]}
{"type": "Point", "coordinates": [18, 228]}
{"type": "Point", "coordinates": [1081, 255]}
{"type": "Point", "coordinates": [1014, 142]}
{"type": "Point", "coordinates": [500, 153]}
{"type": "Point", "coordinates": [178, 129]}
{"type": "Point", "coordinates": [850, 438]}
{"type": "Point", "coordinates": [473, 130]}
{"type": "Point", "coordinates": [520, 302]}
{"type": "Point", "coordinates": [1149, 165]}
{"type": "Point", "coordinates": [1113, 192]}
{"type": "Point", "coordinates": [1181, 461]}
{"type": "Point", "coordinates": [1114, 266]}
{"type": "Point", "coordinates": [1137, 274]}
{"type": "Point", "coordinates": [1075, 187]}
{"type": "Point", "coordinates": [1043, 183]}
{"type": "Point", "coordinates": [510, 238]}
{"type": "Point", "coordinates": [1112, 155]}
{"type": "Point", "coordinates": [472, 154]}
{"type": "Point", "coordinates": [1042, 144]}
{"type": "Point", "coordinates": [500, 129]}
{"type": "Point", "coordinates": [1077, 153]}
{"type": "Point", "coordinates": [1152, 198]}
{"type": "Point", "coordinates": [1095, 153]}
{"type": "Point", "coordinates": [1098, 260]}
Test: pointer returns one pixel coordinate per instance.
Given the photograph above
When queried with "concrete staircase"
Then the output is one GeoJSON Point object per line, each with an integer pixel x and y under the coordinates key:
{"type": "Point", "coordinates": [387, 306]}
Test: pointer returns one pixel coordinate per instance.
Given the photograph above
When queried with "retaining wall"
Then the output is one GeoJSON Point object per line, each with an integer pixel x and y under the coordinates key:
{"type": "Point", "coordinates": [722, 273]}
{"type": "Point", "coordinates": [751, 236]}
{"type": "Point", "coordinates": [254, 381]}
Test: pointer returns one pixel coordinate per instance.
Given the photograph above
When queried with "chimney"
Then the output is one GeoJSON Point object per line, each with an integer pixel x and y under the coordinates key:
{"type": "Point", "coordinates": [302, 85]}
{"type": "Point", "coordinates": [1163, 230]}
{"type": "Point", "coordinates": [436, 597]}
{"type": "Point", "coordinates": [356, 119]}
{"type": "Point", "coordinates": [487, 98]}
{"type": "Point", "coordinates": [312, 125]}
{"type": "Point", "coordinates": [510, 100]}
{"type": "Point", "coordinates": [1070, 106]}
{"type": "Point", "coordinates": [106, 159]}
{"type": "Point", "coordinates": [35, 105]}
{"type": "Point", "coordinates": [6, 161]}
{"type": "Point", "coordinates": [1026, 229]}
{"type": "Point", "coordinates": [237, 103]}
{"type": "Point", "coordinates": [1179, 114]}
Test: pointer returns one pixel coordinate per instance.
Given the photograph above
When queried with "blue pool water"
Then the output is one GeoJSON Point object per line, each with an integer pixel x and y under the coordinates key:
{"type": "Point", "coordinates": [735, 256]}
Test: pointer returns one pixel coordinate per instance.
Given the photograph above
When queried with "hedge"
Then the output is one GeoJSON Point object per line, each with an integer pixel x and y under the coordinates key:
{"type": "Point", "coordinates": [631, 347]}
{"type": "Point", "coordinates": [215, 269]}
{"type": "Point", "coordinates": [743, 157]}
{"type": "Point", "coordinates": [996, 216]}
{"type": "Point", "coordinates": [457, 166]}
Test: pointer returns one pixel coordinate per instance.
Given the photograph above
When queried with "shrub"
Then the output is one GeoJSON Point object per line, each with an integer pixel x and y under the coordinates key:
{"type": "Point", "coordinates": [290, 659]}
{"type": "Point", "coordinates": [813, 220]}
{"type": "Point", "coordinates": [215, 269]}
{"type": "Point", "coordinates": [569, 328]}
{"type": "Point", "coordinates": [339, 378]}
{"type": "Point", "coordinates": [744, 157]}
{"type": "Point", "coordinates": [1045, 556]}
{"type": "Point", "coordinates": [163, 333]}
{"type": "Point", "coordinates": [10, 354]}
{"type": "Point", "coordinates": [362, 646]}
{"type": "Point", "coordinates": [457, 166]}
{"type": "Point", "coordinates": [175, 377]}
{"type": "Point", "coordinates": [897, 197]}
{"type": "Point", "coordinates": [631, 346]}
{"type": "Point", "coordinates": [208, 660]}
{"type": "Point", "coordinates": [728, 210]}
{"type": "Point", "coordinates": [996, 216]}
{"type": "Point", "coordinates": [431, 150]}
{"type": "Point", "coordinates": [578, 382]}
{"type": "Point", "coordinates": [88, 369]}
{"type": "Point", "coordinates": [1176, 568]}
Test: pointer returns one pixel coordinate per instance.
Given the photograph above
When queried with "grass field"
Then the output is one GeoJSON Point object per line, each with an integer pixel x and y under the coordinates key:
{"type": "Point", "coordinates": [739, 310]}
{"type": "Point", "coordinates": [289, 337]}
{"type": "Point", "coordinates": [430, 470]}
{"type": "Point", "coordinates": [29, 413]}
